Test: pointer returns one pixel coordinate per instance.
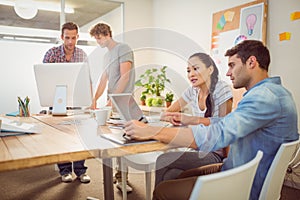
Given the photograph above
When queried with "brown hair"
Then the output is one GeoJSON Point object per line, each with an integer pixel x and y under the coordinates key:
{"type": "Point", "coordinates": [249, 48]}
{"type": "Point", "coordinates": [102, 29]}
{"type": "Point", "coordinates": [69, 26]}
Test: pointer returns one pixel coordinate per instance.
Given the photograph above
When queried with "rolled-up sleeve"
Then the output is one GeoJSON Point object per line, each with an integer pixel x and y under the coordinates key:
{"type": "Point", "coordinates": [207, 138]}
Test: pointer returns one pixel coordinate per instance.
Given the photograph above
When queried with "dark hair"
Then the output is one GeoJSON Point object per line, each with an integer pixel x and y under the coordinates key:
{"type": "Point", "coordinates": [101, 28]}
{"type": "Point", "coordinates": [69, 26]}
{"type": "Point", "coordinates": [214, 78]}
{"type": "Point", "coordinates": [249, 48]}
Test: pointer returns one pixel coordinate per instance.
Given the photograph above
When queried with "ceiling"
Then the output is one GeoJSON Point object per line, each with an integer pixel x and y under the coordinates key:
{"type": "Point", "coordinates": [85, 12]}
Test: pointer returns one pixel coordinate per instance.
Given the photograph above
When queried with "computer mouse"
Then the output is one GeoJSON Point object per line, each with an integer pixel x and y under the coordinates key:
{"type": "Point", "coordinates": [43, 112]}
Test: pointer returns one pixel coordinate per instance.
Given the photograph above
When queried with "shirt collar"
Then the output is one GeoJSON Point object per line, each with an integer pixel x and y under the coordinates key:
{"type": "Point", "coordinates": [274, 80]}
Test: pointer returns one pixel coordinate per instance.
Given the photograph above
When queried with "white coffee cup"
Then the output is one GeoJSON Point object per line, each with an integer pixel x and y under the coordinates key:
{"type": "Point", "coordinates": [109, 109]}
{"type": "Point", "coordinates": [101, 116]}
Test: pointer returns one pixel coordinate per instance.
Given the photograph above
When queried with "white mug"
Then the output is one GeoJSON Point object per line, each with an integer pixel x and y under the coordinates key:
{"type": "Point", "coordinates": [101, 116]}
{"type": "Point", "coordinates": [109, 109]}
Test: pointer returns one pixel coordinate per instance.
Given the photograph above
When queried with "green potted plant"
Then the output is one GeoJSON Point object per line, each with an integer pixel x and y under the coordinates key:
{"type": "Point", "coordinates": [143, 99]}
{"type": "Point", "coordinates": [169, 98]}
{"type": "Point", "coordinates": [153, 81]}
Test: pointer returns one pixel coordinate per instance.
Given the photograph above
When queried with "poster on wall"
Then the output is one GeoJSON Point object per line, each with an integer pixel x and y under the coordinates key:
{"type": "Point", "coordinates": [251, 22]}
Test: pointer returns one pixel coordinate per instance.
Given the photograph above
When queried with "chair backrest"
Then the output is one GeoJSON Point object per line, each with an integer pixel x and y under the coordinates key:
{"type": "Point", "coordinates": [233, 184]}
{"type": "Point", "coordinates": [274, 180]}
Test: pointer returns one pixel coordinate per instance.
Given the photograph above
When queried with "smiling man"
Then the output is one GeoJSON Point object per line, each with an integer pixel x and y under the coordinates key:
{"type": "Point", "coordinates": [265, 118]}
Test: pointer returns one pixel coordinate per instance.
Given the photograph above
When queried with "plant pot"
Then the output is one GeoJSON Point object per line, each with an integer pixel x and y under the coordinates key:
{"type": "Point", "coordinates": [143, 102]}
{"type": "Point", "coordinates": [168, 103]}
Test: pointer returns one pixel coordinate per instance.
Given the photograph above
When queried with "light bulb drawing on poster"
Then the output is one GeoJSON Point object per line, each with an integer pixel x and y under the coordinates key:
{"type": "Point", "coordinates": [251, 21]}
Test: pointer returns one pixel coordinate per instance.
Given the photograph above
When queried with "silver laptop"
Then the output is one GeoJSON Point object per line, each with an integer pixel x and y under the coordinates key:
{"type": "Point", "coordinates": [128, 109]}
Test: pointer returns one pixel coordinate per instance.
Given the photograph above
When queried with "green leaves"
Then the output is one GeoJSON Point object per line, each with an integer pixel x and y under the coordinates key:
{"type": "Point", "coordinates": [169, 97]}
{"type": "Point", "coordinates": [153, 81]}
{"type": "Point", "coordinates": [143, 97]}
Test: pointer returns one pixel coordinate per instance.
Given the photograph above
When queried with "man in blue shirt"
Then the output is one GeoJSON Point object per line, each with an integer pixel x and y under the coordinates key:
{"type": "Point", "coordinates": [265, 118]}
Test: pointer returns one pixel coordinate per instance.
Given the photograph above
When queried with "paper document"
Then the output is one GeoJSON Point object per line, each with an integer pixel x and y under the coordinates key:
{"type": "Point", "coordinates": [14, 127]}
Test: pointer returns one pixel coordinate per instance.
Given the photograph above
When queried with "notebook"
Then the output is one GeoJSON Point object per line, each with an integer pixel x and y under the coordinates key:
{"type": "Point", "coordinates": [128, 109]}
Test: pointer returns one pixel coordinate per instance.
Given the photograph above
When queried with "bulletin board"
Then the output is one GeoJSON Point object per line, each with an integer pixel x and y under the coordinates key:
{"type": "Point", "coordinates": [231, 26]}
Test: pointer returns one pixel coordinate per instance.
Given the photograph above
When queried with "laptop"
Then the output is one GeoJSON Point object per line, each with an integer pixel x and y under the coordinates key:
{"type": "Point", "coordinates": [128, 109]}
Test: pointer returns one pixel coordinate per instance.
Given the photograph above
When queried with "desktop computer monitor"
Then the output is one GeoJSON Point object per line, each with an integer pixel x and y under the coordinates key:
{"type": "Point", "coordinates": [62, 85]}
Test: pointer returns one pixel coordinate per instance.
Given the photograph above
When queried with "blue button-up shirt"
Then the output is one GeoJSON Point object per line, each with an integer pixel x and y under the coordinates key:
{"type": "Point", "coordinates": [265, 118]}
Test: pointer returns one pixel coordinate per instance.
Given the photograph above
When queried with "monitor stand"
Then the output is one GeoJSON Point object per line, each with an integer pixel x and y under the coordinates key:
{"type": "Point", "coordinates": [60, 101]}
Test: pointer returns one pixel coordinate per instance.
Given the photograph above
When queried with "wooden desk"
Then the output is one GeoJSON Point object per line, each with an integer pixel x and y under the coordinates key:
{"type": "Point", "coordinates": [59, 142]}
{"type": "Point", "coordinates": [24, 151]}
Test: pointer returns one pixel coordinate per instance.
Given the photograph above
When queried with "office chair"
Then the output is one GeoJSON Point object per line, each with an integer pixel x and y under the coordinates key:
{"type": "Point", "coordinates": [143, 162]}
{"type": "Point", "coordinates": [234, 184]}
{"type": "Point", "coordinates": [271, 189]}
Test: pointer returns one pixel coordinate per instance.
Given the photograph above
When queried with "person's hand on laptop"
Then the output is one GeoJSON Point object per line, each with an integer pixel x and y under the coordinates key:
{"type": "Point", "coordinates": [140, 131]}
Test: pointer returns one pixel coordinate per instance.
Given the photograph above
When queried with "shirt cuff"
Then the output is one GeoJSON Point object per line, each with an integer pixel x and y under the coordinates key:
{"type": "Point", "coordinates": [214, 119]}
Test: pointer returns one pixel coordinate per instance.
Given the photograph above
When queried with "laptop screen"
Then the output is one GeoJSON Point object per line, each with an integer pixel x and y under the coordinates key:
{"type": "Point", "coordinates": [127, 106]}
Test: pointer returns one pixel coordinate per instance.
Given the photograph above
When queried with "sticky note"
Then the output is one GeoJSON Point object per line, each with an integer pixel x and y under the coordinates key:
{"type": "Point", "coordinates": [229, 16]}
{"type": "Point", "coordinates": [284, 36]}
{"type": "Point", "coordinates": [221, 23]}
{"type": "Point", "coordinates": [295, 16]}
{"type": "Point", "coordinates": [215, 39]}
{"type": "Point", "coordinates": [214, 46]}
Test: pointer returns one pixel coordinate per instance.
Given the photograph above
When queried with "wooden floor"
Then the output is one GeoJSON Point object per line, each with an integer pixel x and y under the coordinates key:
{"type": "Point", "coordinates": [42, 183]}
